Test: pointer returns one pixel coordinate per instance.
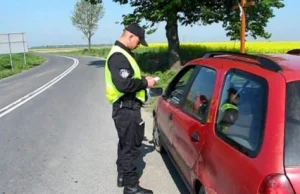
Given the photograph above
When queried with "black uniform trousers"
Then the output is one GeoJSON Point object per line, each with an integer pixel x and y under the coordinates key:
{"type": "Point", "coordinates": [131, 129]}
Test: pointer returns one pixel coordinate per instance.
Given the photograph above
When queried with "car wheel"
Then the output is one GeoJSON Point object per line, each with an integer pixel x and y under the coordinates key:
{"type": "Point", "coordinates": [156, 138]}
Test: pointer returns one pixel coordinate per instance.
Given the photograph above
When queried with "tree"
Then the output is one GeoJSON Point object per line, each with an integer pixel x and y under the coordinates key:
{"type": "Point", "coordinates": [86, 17]}
{"type": "Point", "coordinates": [196, 12]}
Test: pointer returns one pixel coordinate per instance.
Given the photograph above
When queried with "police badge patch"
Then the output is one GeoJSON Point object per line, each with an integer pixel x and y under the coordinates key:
{"type": "Point", "coordinates": [124, 73]}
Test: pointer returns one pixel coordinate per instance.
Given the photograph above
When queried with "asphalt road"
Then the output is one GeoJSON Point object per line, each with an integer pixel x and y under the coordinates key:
{"type": "Point", "coordinates": [57, 135]}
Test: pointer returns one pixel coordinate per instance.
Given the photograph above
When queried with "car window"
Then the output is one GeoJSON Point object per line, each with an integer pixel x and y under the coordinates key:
{"type": "Point", "coordinates": [179, 84]}
{"type": "Point", "coordinates": [198, 99]}
{"type": "Point", "coordinates": [292, 127]}
{"type": "Point", "coordinates": [241, 113]}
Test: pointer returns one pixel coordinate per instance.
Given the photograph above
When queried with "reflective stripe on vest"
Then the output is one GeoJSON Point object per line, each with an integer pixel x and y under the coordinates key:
{"type": "Point", "coordinates": [112, 93]}
{"type": "Point", "coordinates": [228, 106]}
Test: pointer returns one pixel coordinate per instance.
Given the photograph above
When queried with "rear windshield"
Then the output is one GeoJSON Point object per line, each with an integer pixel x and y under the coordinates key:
{"type": "Point", "coordinates": [292, 132]}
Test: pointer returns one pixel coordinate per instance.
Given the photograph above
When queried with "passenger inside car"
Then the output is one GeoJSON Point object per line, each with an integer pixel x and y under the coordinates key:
{"type": "Point", "coordinates": [243, 124]}
{"type": "Point", "coordinates": [229, 110]}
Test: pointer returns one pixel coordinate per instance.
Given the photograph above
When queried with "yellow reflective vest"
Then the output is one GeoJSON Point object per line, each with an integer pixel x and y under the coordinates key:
{"type": "Point", "coordinates": [224, 107]}
{"type": "Point", "coordinates": [112, 93]}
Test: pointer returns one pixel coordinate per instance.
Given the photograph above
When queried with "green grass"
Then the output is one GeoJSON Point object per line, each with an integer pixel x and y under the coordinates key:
{"type": "Point", "coordinates": [99, 52]}
{"type": "Point", "coordinates": [18, 63]}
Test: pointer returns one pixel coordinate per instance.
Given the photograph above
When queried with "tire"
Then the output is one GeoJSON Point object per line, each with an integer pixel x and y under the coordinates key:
{"type": "Point", "coordinates": [156, 138]}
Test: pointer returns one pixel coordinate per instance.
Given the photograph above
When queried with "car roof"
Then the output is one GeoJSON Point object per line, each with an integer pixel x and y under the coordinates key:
{"type": "Point", "coordinates": [288, 62]}
{"type": "Point", "coordinates": [273, 62]}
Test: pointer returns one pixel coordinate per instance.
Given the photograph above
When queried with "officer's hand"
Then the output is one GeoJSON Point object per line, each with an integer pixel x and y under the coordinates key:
{"type": "Point", "coordinates": [151, 81]}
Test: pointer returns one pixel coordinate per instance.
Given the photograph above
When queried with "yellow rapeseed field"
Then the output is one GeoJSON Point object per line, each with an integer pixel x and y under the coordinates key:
{"type": "Point", "coordinates": [251, 47]}
{"type": "Point", "coordinates": [194, 47]}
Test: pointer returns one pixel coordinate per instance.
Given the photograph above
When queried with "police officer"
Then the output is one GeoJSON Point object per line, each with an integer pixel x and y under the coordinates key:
{"type": "Point", "coordinates": [126, 91]}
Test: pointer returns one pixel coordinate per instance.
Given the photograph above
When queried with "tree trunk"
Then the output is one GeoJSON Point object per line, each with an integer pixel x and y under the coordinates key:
{"type": "Point", "coordinates": [89, 38]}
{"type": "Point", "coordinates": [173, 43]}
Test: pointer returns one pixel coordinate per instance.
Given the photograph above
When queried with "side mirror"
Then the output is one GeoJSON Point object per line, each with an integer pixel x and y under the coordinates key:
{"type": "Point", "coordinates": [152, 92]}
{"type": "Point", "coordinates": [155, 91]}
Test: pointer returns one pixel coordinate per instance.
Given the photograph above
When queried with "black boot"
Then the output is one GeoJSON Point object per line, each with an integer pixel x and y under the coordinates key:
{"type": "Point", "coordinates": [120, 181]}
{"type": "Point", "coordinates": [136, 189]}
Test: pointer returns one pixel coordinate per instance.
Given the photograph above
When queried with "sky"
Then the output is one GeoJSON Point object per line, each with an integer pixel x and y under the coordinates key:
{"type": "Point", "coordinates": [47, 22]}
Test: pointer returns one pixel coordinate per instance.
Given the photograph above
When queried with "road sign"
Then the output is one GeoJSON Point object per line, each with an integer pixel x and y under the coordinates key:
{"type": "Point", "coordinates": [12, 43]}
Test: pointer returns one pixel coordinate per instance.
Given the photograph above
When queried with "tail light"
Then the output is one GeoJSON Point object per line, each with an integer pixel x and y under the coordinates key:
{"type": "Point", "coordinates": [276, 184]}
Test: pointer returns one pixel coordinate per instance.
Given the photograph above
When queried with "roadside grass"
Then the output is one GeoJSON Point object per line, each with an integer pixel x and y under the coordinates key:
{"type": "Point", "coordinates": [95, 52]}
{"type": "Point", "coordinates": [18, 63]}
{"type": "Point", "coordinates": [153, 60]}
{"type": "Point", "coordinates": [60, 49]}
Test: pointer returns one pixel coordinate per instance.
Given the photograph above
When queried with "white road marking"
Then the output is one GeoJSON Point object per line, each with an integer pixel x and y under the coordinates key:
{"type": "Point", "coordinates": [38, 91]}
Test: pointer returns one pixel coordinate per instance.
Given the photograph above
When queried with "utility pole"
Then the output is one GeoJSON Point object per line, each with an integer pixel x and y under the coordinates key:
{"type": "Point", "coordinates": [242, 6]}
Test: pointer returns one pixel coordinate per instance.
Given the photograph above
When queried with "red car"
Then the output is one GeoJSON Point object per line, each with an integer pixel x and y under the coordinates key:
{"type": "Point", "coordinates": [230, 122]}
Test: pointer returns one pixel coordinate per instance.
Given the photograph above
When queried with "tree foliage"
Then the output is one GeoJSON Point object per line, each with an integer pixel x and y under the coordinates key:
{"type": "Point", "coordinates": [195, 12]}
{"type": "Point", "coordinates": [94, 1]}
{"type": "Point", "coordinates": [86, 17]}
{"type": "Point", "coordinates": [257, 16]}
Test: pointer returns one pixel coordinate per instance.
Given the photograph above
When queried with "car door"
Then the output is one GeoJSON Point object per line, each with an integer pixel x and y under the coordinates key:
{"type": "Point", "coordinates": [170, 100]}
{"type": "Point", "coordinates": [190, 123]}
{"type": "Point", "coordinates": [233, 143]}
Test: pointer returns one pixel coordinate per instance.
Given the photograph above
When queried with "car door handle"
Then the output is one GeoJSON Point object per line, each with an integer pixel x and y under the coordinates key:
{"type": "Point", "coordinates": [195, 137]}
{"type": "Point", "coordinates": [170, 116]}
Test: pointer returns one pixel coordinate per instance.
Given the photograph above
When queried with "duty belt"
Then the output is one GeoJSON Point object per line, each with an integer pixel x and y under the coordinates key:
{"type": "Point", "coordinates": [131, 104]}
